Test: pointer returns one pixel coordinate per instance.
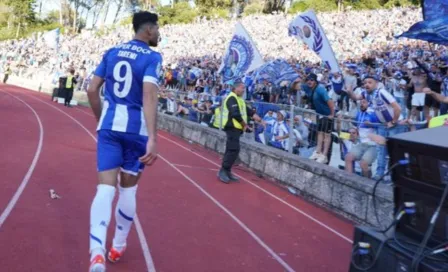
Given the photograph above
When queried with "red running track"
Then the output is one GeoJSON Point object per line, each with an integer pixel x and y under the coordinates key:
{"type": "Point", "coordinates": [187, 219]}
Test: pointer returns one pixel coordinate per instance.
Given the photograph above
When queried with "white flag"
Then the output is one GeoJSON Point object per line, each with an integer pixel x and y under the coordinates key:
{"type": "Point", "coordinates": [242, 56]}
{"type": "Point", "coordinates": [51, 38]}
{"type": "Point", "coordinates": [307, 28]}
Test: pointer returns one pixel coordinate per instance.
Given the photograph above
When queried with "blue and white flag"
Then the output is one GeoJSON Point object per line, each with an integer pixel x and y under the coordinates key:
{"type": "Point", "coordinates": [276, 72]}
{"type": "Point", "coordinates": [242, 56]}
{"type": "Point", "coordinates": [434, 9]}
{"type": "Point", "coordinates": [51, 38]}
{"type": "Point", "coordinates": [434, 28]}
{"type": "Point", "coordinates": [433, 31]}
{"type": "Point", "coordinates": [306, 27]}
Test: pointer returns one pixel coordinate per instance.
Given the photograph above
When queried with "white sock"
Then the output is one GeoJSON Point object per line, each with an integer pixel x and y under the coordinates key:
{"type": "Point", "coordinates": [100, 213]}
{"type": "Point", "coordinates": [124, 215]}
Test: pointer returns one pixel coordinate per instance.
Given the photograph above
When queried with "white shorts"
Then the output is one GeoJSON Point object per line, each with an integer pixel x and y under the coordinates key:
{"type": "Point", "coordinates": [418, 99]}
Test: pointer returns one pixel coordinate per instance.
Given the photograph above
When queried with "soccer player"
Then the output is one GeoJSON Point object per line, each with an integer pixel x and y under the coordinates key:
{"type": "Point", "coordinates": [126, 132]}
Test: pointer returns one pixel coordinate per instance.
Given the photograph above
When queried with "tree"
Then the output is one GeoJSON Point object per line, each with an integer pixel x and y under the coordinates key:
{"type": "Point", "coordinates": [96, 9]}
{"type": "Point", "coordinates": [214, 3]}
{"type": "Point", "coordinates": [78, 7]}
{"type": "Point", "coordinates": [21, 13]}
{"type": "Point", "coordinates": [134, 5]}
{"type": "Point", "coordinates": [120, 4]}
{"type": "Point", "coordinates": [273, 5]}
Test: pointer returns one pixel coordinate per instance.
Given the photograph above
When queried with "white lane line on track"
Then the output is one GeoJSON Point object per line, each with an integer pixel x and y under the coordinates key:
{"type": "Point", "coordinates": [30, 171]}
{"type": "Point", "coordinates": [229, 213]}
{"type": "Point", "coordinates": [216, 202]}
{"type": "Point", "coordinates": [320, 223]}
{"type": "Point", "coordinates": [195, 167]}
{"type": "Point", "coordinates": [141, 235]}
{"type": "Point", "coordinates": [268, 193]}
{"type": "Point", "coordinates": [83, 111]}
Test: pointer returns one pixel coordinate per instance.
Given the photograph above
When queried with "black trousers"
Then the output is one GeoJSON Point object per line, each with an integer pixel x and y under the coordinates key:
{"type": "Point", "coordinates": [68, 96]}
{"type": "Point", "coordinates": [5, 78]}
{"type": "Point", "coordinates": [232, 148]}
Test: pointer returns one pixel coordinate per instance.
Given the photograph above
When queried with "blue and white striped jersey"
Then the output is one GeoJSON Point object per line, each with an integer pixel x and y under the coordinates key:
{"type": "Point", "coordinates": [380, 101]}
{"type": "Point", "coordinates": [125, 68]}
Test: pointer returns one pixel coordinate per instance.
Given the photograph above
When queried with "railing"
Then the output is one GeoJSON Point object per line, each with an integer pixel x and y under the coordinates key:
{"type": "Point", "coordinates": [300, 132]}
{"type": "Point", "coordinates": [302, 140]}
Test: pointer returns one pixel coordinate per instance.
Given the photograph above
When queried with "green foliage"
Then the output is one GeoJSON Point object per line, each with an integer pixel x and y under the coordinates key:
{"type": "Point", "coordinates": [20, 14]}
{"type": "Point", "coordinates": [214, 3]}
{"type": "Point", "coordinates": [401, 3]}
{"type": "Point", "coordinates": [366, 4]}
{"type": "Point", "coordinates": [322, 5]}
{"type": "Point", "coordinates": [214, 13]}
{"type": "Point", "coordinates": [253, 8]}
{"type": "Point", "coordinates": [299, 6]}
{"type": "Point", "coordinates": [330, 5]}
{"type": "Point", "coordinates": [180, 13]}
{"type": "Point", "coordinates": [317, 5]}
{"type": "Point", "coordinates": [126, 21]}
{"type": "Point", "coordinates": [7, 34]}
{"type": "Point", "coordinates": [21, 10]}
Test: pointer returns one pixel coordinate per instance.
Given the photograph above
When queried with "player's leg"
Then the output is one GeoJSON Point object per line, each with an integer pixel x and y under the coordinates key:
{"type": "Point", "coordinates": [109, 159]}
{"type": "Point", "coordinates": [131, 169]}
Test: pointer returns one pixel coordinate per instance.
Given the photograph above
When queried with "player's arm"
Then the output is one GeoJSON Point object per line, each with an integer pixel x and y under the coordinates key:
{"type": "Point", "coordinates": [352, 94]}
{"type": "Point", "coordinates": [151, 82]}
{"type": "Point", "coordinates": [93, 91]}
{"type": "Point", "coordinates": [150, 102]}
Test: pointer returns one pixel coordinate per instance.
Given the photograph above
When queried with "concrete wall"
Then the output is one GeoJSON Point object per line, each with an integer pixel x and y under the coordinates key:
{"type": "Point", "coordinates": [343, 193]}
{"type": "Point", "coordinates": [44, 87]}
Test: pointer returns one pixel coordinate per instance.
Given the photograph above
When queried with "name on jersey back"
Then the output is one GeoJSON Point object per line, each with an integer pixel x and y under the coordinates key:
{"type": "Point", "coordinates": [132, 47]}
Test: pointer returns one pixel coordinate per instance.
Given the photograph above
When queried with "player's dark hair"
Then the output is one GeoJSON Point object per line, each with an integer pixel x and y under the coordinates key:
{"type": "Point", "coordinates": [142, 18]}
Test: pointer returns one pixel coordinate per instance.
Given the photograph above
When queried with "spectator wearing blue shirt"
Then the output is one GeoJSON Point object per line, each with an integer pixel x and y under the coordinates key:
{"type": "Point", "coordinates": [192, 107]}
{"type": "Point", "coordinates": [319, 101]}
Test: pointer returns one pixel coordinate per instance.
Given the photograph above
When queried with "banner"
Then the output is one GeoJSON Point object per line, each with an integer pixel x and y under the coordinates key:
{"type": "Point", "coordinates": [306, 27]}
{"type": "Point", "coordinates": [241, 57]}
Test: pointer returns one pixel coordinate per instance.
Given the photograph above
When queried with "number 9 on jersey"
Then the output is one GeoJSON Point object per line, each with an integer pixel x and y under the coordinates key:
{"type": "Point", "coordinates": [126, 79]}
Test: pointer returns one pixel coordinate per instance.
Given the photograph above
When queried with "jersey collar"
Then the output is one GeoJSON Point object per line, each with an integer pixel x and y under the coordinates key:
{"type": "Point", "coordinates": [139, 41]}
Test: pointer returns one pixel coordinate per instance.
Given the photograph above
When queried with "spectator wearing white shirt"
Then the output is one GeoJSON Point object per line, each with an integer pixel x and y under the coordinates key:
{"type": "Point", "coordinates": [280, 132]}
{"type": "Point", "coordinates": [171, 104]}
{"type": "Point", "coordinates": [349, 86]}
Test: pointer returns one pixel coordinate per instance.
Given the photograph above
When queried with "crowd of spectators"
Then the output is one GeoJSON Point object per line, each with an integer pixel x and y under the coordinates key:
{"type": "Point", "coordinates": [379, 92]}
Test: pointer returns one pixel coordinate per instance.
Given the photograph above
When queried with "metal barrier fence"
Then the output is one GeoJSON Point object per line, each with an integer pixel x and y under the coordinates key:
{"type": "Point", "coordinates": [300, 132]}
